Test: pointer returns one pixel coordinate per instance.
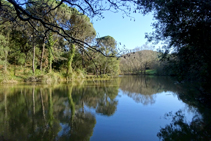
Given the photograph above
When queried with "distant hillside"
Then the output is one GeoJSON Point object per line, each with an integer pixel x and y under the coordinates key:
{"type": "Point", "coordinates": [139, 62]}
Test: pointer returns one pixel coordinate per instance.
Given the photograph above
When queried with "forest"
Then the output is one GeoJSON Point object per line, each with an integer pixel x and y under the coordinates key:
{"type": "Point", "coordinates": [56, 40]}
{"type": "Point", "coordinates": [107, 92]}
{"type": "Point", "coordinates": [32, 54]}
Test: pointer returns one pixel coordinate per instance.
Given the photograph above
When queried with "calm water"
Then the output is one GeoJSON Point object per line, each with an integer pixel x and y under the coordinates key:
{"type": "Point", "coordinates": [129, 108]}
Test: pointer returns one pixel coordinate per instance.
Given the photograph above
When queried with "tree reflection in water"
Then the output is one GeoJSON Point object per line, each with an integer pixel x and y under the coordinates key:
{"type": "Point", "coordinates": [68, 111]}
{"type": "Point", "coordinates": [143, 88]}
{"type": "Point", "coordinates": [179, 129]}
{"type": "Point", "coordinates": [199, 129]}
{"type": "Point", "coordinates": [43, 112]}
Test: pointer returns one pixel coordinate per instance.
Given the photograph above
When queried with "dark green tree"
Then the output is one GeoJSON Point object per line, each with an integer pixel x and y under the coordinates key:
{"type": "Point", "coordinates": [180, 129]}
{"type": "Point", "coordinates": [185, 28]}
{"type": "Point", "coordinates": [45, 10]}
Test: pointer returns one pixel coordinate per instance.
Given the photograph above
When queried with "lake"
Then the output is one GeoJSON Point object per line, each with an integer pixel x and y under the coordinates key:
{"type": "Point", "coordinates": [129, 108]}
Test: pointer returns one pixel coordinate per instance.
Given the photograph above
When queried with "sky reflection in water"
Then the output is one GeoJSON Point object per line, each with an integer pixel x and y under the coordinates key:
{"type": "Point", "coordinates": [128, 108]}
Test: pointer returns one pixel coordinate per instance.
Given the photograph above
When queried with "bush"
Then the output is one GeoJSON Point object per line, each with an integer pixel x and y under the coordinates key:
{"type": "Point", "coordinates": [104, 76]}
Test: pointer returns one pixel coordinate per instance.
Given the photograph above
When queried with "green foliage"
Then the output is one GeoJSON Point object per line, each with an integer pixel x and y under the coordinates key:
{"type": "Point", "coordinates": [51, 43]}
{"type": "Point", "coordinates": [17, 45]}
{"type": "Point", "coordinates": [107, 64]}
{"type": "Point", "coordinates": [104, 76]}
{"type": "Point", "coordinates": [38, 72]}
{"type": "Point", "coordinates": [4, 49]}
{"type": "Point", "coordinates": [107, 45]}
{"type": "Point", "coordinates": [71, 54]}
{"type": "Point", "coordinates": [185, 27]}
{"type": "Point", "coordinates": [151, 72]}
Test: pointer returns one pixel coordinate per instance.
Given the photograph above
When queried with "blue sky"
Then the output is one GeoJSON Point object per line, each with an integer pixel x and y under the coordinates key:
{"type": "Point", "coordinates": [129, 33]}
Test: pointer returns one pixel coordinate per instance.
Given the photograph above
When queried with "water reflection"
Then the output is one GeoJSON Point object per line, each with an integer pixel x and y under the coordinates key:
{"type": "Point", "coordinates": [180, 129]}
{"type": "Point", "coordinates": [54, 112]}
{"type": "Point", "coordinates": [92, 111]}
{"type": "Point", "coordinates": [199, 128]}
{"type": "Point", "coordinates": [143, 88]}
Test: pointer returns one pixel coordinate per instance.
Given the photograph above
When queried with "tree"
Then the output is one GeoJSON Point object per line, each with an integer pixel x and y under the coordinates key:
{"type": "Point", "coordinates": [185, 27]}
{"type": "Point", "coordinates": [107, 45]}
{"type": "Point", "coordinates": [79, 26]}
{"type": "Point", "coordinates": [180, 129]}
{"type": "Point", "coordinates": [34, 17]}
{"type": "Point", "coordinates": [4, 49]}
{"type": "Point", "coordinates": [139, 61]}
{"type": "Point", "coordinates": [71, 54]}
{"type": "Point", "coordinates": [51, 43]}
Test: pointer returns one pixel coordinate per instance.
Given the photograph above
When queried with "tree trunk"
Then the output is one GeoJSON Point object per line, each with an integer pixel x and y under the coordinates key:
{"type": "Point", "coordinates": [104, 71]}
{"type": "Point", "coordinates": [50, 66]}
{"type": "Point", "coordinates": [15, 67]}
{"type": "Point", "coordinates": [6, 54]}
{"type": "Point", "coordinates": [50, 51]}
{"type": "Point", "coordinates": [70, 59]}
{"type": "Point", "coordinates": [24, 71]}
{"type": "Point", "coordinates": [5, 63]}
{"type": "Point", "coordinates": [33, 67]}
{"type": "Point", "coordinates": [42, 54]}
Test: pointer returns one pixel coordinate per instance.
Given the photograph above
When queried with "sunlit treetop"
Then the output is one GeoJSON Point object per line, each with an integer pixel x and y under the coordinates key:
{"type": "Point", "coordinates": [52, 13]}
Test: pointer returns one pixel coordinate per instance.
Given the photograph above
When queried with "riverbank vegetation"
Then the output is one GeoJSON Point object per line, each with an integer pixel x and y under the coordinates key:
{"type": "Point", "coordinates": [55, 40]}
{"type": "Point", "coordinates": [57, 37]}
{"type": "Point", "coordinates": [30, 53]}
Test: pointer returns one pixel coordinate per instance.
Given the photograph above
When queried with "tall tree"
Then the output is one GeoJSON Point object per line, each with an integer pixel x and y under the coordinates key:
{"type": "Point", "coordinates": [71, 54]}
{"type": "Point", "coordinates": [34, 17]}
{"type": "Point", "coordinates": [4, 49]}
{"type": "Point", "coordinates": [107, 45]}
{"type": "Point", "coordinates": [51, 43]}
{"type": "Point", "coordinates": [185, 27]}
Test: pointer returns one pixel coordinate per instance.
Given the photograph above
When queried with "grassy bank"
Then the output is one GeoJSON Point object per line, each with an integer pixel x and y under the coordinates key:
{"type": "Point", "coordinates": [151, 72]}
{"type": "Point", "coordinates": [148, 72]}
{"type": "Point", "coordinates": [20, 75]}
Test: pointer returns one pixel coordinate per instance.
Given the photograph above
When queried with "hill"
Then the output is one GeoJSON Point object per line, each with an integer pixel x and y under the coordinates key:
{"type": "Point", "coordinates": [140, 62]}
